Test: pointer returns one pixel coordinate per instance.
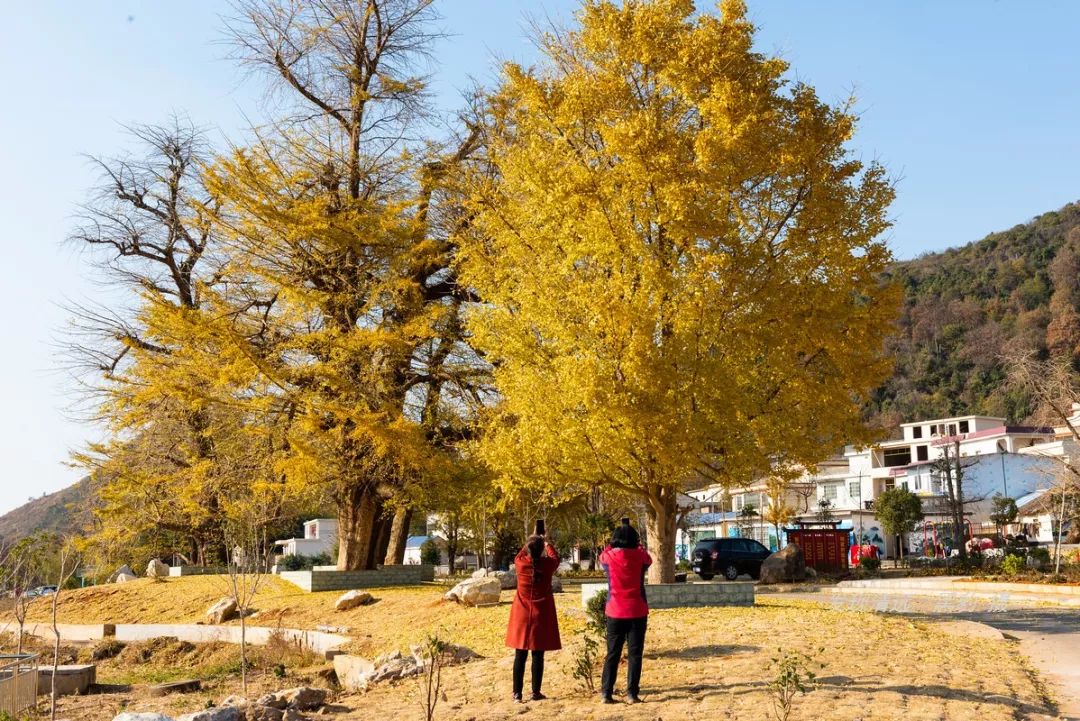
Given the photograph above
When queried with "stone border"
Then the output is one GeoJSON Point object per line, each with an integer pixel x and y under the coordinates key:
{"type": "Point", "coordinates": [334, 580]}
{"type": "Point", "coordinates": [686, 595]}
{"type": "Point", "coordinates": [321, 642]}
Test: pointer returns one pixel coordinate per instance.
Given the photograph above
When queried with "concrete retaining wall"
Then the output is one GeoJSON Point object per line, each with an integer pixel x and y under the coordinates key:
{"type": "Point", "coordinates": [196, 571]}
{"type": "Point", "coordinates": [70, 631]}
{"type": "Point", "coordinates": [683, 595]}
{"type": "Point", "coordinates": [335, 580]}
{"type": "Point", "coordinates": [317, 641]}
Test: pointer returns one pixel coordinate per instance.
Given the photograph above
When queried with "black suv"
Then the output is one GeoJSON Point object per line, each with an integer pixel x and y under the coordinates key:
{"type": "Point", "coordinates": [728, 557]}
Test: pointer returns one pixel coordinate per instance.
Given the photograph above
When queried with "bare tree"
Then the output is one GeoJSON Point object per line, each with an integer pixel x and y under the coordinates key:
{"type": "Point", "coordinates": [1054, 387]}
{"type": "Point", "coordinates": [68, 564]}
{"type": "Point", "coordinates": [23, 570]}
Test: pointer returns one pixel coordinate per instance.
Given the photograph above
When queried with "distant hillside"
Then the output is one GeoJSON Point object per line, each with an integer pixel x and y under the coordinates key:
{"type": "Point", "coordinates": [61, 511]}
{"type": "Point", "coordinates": [965, 307]}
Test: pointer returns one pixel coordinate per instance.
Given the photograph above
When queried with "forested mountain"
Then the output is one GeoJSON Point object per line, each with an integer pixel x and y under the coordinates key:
{"type": "Point", "coordinates": [966, 307]}
{"type": "Point", "coordinates": [65, 511]}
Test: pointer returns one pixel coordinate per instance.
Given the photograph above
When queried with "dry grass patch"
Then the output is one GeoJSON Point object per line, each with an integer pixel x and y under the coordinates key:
{"type": "Point", "coordinates": [700, 663]}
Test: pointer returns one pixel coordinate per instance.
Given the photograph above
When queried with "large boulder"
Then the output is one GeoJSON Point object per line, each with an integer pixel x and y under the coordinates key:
{"type": "Point", "coordinates": [479, 573]}
{"type": "Point", "coordinates": [507, 579]}
{"type": "Point", "coordinates": [785, 566]}
{"type": "Point", "coordinates": [353, 672]}
{"type": "Point", "coordinates": [219, 713]}
{"type": "Point", "coordinates": [157, 569]}
{"type": "Point", "coordinates": [130, 716]}
{"type": "Point", "coordinates": [124, 570]}
{"type": "Point", "coordinates": [352, 599]}
{"type": "Point", "coordinates": [222, 611]}
{"type": "Point", "coordinates": [125, 577]}
{"type": "Point", "coordinates": [476, 592]}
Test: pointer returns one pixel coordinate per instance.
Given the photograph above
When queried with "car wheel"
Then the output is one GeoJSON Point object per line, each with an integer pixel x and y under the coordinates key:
{"type": "Point", "coordinates": [731, 572]}
{"type": "Point", "coordinates": [705, 576]}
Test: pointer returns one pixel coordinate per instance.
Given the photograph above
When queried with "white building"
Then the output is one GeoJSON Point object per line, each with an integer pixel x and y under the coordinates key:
{"type": "Point", "coordinates": [320, 536]}
{"type": "Point", "coordinates": [997, 458]}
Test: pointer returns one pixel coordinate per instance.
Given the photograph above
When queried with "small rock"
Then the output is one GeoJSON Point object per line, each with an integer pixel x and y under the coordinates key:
{"type": "Point", "coordinates": [302, 698]}
{"type": "Point", "coordinates": [352, 599]}
{"type": "Point", "coordinates": [156, 569]}
{"type": "Point", "coordinates": [222, 611]}
{"type": "Point", "coordinates": [291, 714]}
{"type": "Point", "coordinates": [125, 577]}
{"type": "Point", "coordinates": [235, 700]}
{"type": "Point", "coordinates": [221, 713]}
{"type": "Point", "coordinates": [811, 573]}
{"type": "Point", "coordinates": [556, 584]}
{"type": "Point", "coordinates": [476, 592]}
{"type": "Point", "coordinates": [129, 716]}
{"type": "Point", "coordinates": [452, 655]}
{"type": "Point", "coordinates": [264, 713]}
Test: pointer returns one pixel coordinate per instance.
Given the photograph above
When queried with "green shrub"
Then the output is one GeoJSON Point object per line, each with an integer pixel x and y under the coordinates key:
{"type": "Point", "coordinates": [870, 564]}
{"type": "Point", "coordinates": [1040, 555]}
{"type": "Point", "coordinates": [1012, 565]}
{"type": "Point", "coordinates": [429, 553]}
{"type": "Point", "coordinates": [304, 563]}
{"type": "Point", "coordinates": [594, 609]}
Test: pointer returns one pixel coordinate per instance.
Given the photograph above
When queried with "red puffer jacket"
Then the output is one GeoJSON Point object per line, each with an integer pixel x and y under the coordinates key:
{"type": "Point", "coordinates": [533, 623]}
{"type": "Point", "coordinates": [625, 568]}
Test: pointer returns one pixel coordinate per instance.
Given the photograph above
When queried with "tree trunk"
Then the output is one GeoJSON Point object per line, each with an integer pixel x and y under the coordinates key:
{"type": "Point", "coordinates": [381, 538]}
{"type": "Point", "coordinates": [660, 529]}
{"type": "Point", "coordinates": [399, 535]}
{"type": "Point", "coordinates": [960, 501]}
{"type": "Point", "coordinates": [356, 522]}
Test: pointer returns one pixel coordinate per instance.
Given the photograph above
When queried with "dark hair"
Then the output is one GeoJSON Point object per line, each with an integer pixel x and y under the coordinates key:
{"type": "Point", "coordinates": [625, 537]}
{"type": "Point", "coordinates": [535, 544]}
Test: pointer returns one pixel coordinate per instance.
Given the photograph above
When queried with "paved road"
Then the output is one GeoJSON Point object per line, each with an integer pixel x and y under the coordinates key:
{"type": "Point", "coordinates": [1050, 637]}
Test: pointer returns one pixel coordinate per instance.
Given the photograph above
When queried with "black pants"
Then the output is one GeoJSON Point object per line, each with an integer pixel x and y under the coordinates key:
{"type": "Point", "coordinates": [519, 670]}
{"type": "Point", "coordinates": [632, 632]}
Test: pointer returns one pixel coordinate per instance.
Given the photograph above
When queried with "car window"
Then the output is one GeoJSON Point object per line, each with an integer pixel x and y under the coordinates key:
{"type": "Point", "coordinates": [757, 547]}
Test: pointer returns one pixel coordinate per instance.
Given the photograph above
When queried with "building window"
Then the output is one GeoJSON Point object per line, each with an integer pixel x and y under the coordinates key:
{"type": "Point", "coordinates": [830, 491]}
{"type": "Point", "coordinates": [964, 426]}
{"type": "Point", "coordinates": [916, 432]}
{"type": "Point", "coordinates": [854, 489]}
{"type": "Point", "coordinates": [922, 453]}
{"type": "Point", "coordinates": [934, 430]}
{"type": "Point", "coordinates": [952, 429]}
{"type": "Point", "coordinates": [897, 457]}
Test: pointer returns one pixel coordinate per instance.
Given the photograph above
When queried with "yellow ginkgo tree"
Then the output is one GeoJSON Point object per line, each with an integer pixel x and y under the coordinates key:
{"type": "Point", "coordinates": [680, 262]}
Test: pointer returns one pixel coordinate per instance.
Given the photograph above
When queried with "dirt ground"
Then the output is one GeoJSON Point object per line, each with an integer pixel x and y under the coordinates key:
{"type": "Point", "coordinates": [699, 663]}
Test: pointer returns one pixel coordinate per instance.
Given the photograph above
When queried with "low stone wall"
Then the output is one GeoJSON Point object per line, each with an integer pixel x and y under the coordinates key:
{"type": "Point", "coordinates": [196, 571]}
{"type": "Point", "coordinates": [683, 595]}
{"type": "Point", "coordinates": [335, 580]}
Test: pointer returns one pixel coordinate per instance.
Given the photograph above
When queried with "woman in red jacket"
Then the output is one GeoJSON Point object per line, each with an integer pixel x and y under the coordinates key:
{"type": "Point", "coordinates": [533, 623]}
{"type": "Point", "coordinates": [627, 610]}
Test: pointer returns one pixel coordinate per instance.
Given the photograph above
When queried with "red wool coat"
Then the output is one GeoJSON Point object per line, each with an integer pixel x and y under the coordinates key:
{"type": "Point", "coordinates": [533, 623]}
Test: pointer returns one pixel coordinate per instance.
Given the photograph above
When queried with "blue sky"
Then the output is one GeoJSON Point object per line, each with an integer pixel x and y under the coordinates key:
{"type": "Point", "coordinates": [972, 105]}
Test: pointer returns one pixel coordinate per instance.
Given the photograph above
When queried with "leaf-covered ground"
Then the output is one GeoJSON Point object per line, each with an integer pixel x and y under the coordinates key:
{"type": "Point", "coordinates": [700, 663]}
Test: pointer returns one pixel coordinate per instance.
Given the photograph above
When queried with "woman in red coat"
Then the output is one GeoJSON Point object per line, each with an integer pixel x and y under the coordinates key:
{"type": "Point", "coordinates": [533, 623]}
